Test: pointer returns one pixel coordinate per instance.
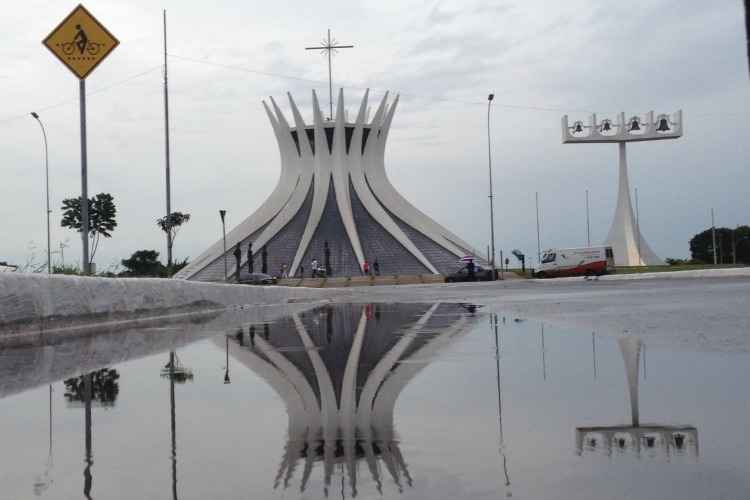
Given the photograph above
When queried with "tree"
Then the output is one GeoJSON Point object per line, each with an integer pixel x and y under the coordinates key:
{"type": "Point", "coordinates": [143, 263]}
{"type": "Point", "coordinates": [102, 212]}
{"type": "Point", "coordinates": [701, 245]}
{"type": "Point", "coordinates": [171, 224]}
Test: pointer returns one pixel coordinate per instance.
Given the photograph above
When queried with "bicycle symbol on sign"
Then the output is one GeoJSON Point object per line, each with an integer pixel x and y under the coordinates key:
{"type": "Point", "coordinates": [81, 44]}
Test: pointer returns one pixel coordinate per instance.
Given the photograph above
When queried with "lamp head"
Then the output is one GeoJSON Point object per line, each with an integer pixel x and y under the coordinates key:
{"type": "Point", "coordinates": [490, 97]}
{"type": "Point", "coordinates": [222, 213]}
{"type": "Point", "coordinates": [35, 115]}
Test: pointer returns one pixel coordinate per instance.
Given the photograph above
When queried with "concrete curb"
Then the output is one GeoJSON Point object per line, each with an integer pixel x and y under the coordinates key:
{"type": "Point", "coordinates": [734, 272]}
{"type": "Point", "coordinates": [30, 301]}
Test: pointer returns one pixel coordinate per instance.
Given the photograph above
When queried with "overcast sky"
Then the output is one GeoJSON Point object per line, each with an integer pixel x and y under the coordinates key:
{"type": "Point", "coordinates": [541, 59]}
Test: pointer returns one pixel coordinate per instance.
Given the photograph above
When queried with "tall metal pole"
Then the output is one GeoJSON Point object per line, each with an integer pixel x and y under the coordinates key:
{"type": "Point", "coordinates": [588, 223]}
{"type": "Point", "coordinates": [492, 196]}
{"type": "Point", "coordinates": [638, 226]}
{"type": "Point", "coordinates": [222, 214]}
{"type": "Point", "coordinates": [166, 149]}
{"type": "Point", "coordinates": [46, 176]}
{"type": "Point", "coordinates": [84, 181]}
{"type": "Point", "coordinates": [713, 235]}
{"type": "Point", "coordinates": [734, 246]}
{"type": "Point", "coordinates": [538, 234]}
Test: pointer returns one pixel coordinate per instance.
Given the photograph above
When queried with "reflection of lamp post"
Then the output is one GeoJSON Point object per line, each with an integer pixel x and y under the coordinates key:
{"type": "Point", "coordinates": [223, 214]}
{"type": "Point", "coordinates": [173, 424]}
{"type": "Point", "coordinates": [46, 174]}
{"type": "Point", "coordinates": [43, 482]}
{"type": "Point", "coordinates": [226, 373]}
{"type": "Point", "coordinates": [87, 477]}
{"type": "Point", "coordinates": [493, 322]}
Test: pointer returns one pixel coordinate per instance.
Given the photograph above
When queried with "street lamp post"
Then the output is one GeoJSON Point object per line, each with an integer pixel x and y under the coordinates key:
{"type": "Point", "coordinates": [492, 205]}
{"type": "Point", "coordinates": [713, 235]}
{"type": "Point", "coordinates": [46, 175]}
{"type": "Point", "coordinates": [223, 214]}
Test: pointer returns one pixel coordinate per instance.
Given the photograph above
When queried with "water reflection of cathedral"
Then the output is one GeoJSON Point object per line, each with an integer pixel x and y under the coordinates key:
{"type": "Point", "coordinates": [339, 370]}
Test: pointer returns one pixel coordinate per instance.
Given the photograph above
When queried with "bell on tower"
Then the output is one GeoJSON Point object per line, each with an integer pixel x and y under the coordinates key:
{"type": "Point", "coordinates": [577, 127]}
{"type": "Point", "coordinates": [663, 124]}
{"type": "Point", "coordinates": [606, 126]}
{"type": "Point", "coordinates": [635, 124]}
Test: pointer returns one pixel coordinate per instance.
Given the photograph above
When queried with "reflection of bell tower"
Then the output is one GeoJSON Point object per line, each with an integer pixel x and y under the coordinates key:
{"type": "Point", "coordinates": [671, 439]}
{"type": "Point", "coordinates": [339, 370]}
{"type": "Point", "coordinates": [625, 238]}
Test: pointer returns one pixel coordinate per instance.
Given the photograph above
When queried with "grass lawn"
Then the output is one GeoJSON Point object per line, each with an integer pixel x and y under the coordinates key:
{"type": "Point", "coordinates": [666, 268]}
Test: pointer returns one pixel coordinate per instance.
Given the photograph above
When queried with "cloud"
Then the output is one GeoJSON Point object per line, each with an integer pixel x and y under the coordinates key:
{"type": "Point", "coordinates": [543, 58]}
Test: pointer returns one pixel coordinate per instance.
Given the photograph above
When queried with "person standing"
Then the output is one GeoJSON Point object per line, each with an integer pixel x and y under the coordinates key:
{"type": "Point", "coordinates": [366, 268]}
{"type": "Point", "coordinates": [237, 258]}
{"type": "Point", "coordinates": [470, 269]}
{"type": "Point", "coordinates": [314, 264]}
{"type": "Point", "coordinates": [376, 267]}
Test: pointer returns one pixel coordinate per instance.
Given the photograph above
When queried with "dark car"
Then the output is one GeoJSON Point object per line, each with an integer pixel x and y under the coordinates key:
{"type": "Point", "coordinates": [480, 274]}
{"type": "Point", "coordinates": [258, 279]}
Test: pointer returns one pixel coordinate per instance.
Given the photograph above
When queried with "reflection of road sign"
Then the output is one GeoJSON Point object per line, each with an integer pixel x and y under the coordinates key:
{"type": "Point", "coordinates": [80, 42]}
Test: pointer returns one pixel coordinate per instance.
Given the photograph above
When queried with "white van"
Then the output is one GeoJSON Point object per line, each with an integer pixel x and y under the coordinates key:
{"type": "Point", "coordinates": [589, 261]}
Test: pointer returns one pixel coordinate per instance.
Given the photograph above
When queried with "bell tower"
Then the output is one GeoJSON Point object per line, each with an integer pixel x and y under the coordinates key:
{"type": "Point", "coordinates": [625, 238]}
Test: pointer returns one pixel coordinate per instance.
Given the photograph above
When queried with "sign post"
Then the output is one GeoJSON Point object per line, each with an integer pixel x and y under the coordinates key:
{"type": "Point", "coordinates": [81, 42]}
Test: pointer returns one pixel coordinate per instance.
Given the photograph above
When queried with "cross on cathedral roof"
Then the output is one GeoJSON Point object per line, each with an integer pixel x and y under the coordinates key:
{"type": "Point", "coordinates": [329, 46]}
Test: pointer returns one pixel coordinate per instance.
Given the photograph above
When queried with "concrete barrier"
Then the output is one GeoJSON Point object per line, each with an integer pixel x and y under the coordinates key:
{"type": "Point", "coordinates": [32, 301]}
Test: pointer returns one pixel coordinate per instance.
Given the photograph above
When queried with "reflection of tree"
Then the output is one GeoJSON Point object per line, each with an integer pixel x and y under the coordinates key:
{"type": "Point", "coordinates": [104, 388]}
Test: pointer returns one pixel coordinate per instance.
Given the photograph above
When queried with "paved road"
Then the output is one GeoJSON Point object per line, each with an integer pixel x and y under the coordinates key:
{"type": "Point", "coordinates": [708, 311]}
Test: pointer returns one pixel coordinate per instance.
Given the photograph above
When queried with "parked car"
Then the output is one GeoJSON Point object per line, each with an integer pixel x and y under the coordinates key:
{"type": "Point", "coordinates": [258, 279]}
{"type": "Point", "coordinates": [589, 261]}
{"type": "Point", "coordinates": [480, 274]}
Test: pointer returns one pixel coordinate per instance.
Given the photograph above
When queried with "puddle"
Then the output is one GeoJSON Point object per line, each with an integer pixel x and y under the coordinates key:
{"type": "Point", "coordinates": [371, 401]}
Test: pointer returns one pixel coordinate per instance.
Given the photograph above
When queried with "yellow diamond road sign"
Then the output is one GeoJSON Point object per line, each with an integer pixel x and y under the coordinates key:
{"type": "Point", "coordinates": [80, 42]}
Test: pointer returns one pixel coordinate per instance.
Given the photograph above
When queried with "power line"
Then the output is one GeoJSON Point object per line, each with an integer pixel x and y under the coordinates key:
{"type": "Point", "coordinates": [89, 93]}
{"type": "Point", "coordinates": [128, 79]}
{"type": "Point", "coordinates": [404, 94]}
{"type": "Point", "coordinates": [407, 94]}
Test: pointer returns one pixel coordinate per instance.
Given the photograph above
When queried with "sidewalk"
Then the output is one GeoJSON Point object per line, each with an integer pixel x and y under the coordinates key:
{"type": "Point", "coordinates": [389, 279]}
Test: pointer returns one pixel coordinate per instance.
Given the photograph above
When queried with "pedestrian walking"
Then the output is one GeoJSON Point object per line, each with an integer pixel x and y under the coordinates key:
{"type": "Point", "coordinates": [376, 267]}
{"type": "Point", "coordinates": [471, 269]}
{"type": "Point", "coordinates": [314, 268]}
{"type": "Point", "coordinates": [366, 267]}
{"type": "Point", "coordinates": [237, 258]}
